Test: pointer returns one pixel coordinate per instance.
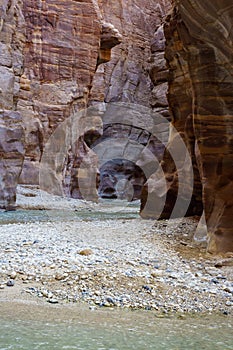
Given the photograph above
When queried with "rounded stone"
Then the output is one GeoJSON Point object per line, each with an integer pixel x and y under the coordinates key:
{"type": "Point", "coordinates": [85, 252]}
{"type": "Point", "coordinates": [10, 283]}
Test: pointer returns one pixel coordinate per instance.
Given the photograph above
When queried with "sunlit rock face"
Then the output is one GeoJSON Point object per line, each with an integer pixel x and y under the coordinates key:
{"type": "Point", "coordinates": [12, 29]}
{"type": "Point", "coordinates": [199, 54]}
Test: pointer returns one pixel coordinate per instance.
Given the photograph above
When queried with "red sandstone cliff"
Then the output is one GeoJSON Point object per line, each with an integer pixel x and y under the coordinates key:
{"type": "Point", "coordinates": [12, 40]}
{"type": "Point", "coordinates": [137, 75]}
{"type": "Point", "coordinates": [199, 55]}
{"type": "Point", "coordinates": [57, 47]}
{"type": "Point", "coordinates": [205, 29]}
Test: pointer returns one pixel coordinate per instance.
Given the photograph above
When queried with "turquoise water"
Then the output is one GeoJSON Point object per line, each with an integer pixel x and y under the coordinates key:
{"type": "Point", "coordinates": [96, 330]}
{"type": "Point", "coordinates": [23, 216]}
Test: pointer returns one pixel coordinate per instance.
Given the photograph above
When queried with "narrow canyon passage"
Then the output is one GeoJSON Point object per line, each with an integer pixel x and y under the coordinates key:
{"type": "Point", "coordinates": [174, 59]}
{"type": "Point", "coordinates": [116, 174]}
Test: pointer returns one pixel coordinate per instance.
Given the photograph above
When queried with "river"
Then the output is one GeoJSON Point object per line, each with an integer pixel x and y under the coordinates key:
{"type": "Point", "coordinates": [28, 327]}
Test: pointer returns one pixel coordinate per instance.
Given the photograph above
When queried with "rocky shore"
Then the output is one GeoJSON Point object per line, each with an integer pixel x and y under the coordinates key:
{"type": "Point", "coordinates": [125, 263]}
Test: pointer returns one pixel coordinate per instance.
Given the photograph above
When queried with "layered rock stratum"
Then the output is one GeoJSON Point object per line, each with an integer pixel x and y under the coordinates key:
{"type": "Point", "coordinates": [199, 56]}
{"type": "Point", "coordinates": [12, 40]}
{"type": "Point", "coordinates": [199, 40]}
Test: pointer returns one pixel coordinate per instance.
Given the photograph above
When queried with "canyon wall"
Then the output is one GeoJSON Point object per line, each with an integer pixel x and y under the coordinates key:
{"type": "Point", "coordinates": [60, 57]}
{"type": "Point", "coordinates": [12, 39]}
{"type": "Point", "coordinates": [48, 57]}
{"type": "Point", "coordinates": [135, 75]}
{"type": "Point", "coordinates": [211, 70]}
{"type": "Point", "coordinates": [60, 50]}
{"type": "Point", "coordinates": [199, 55]}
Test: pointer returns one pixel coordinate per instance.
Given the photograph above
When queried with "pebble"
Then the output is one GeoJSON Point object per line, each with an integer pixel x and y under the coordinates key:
{"type": "Point", "coordinates": [147, 288]}
{"type": "Point", "coordinates": [84, 277]}
{"type": "Point", "coordinates": [85, 252]}
{"type": "Point", "coordinates": [212, 271]}
{"type": "Point", "coordinates": [157, 273]}
{"type": "Point", "coordinates": [110, 300]}
{"type": "Point", "coordinates": [120, 272]}
{"type": "Point", "coordinates": [44, 293]}
{"type": "Point", "coordinates": [13, 275]}
{"type": "Point", "coordinates": [52, 301]}
{"type": "Point", "coordinates": [229, 303]}
{"type": "Point", "coordinates": [60, 276]}
{"type": "Point", "coordinates": [10, 283]}
{"type": "Point", "coordinates": [228, 290]}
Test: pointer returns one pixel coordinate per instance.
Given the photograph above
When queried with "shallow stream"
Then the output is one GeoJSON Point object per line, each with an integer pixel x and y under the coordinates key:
{"type": "Point", "coordinates": [29, 327]}
{"type": "Point", "coordinates": [108, 209]}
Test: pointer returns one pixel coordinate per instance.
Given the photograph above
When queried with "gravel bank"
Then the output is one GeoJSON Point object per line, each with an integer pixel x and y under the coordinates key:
{"type": "Point", "coordinates": [114, 263]}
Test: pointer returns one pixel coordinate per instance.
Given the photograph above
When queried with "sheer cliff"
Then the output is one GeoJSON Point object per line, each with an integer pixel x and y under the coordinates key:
{"type": "Point", "coordinates": [205, 32]}
{"type": "Point", "coordinates": [199, 54]}
{"type": "Point", "coordinates": [60, 52]}
{"type": "Point", "coordinates": [12, 41]}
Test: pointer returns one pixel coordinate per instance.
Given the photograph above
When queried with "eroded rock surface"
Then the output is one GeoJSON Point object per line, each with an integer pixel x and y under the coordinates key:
{"type": "Point", "coordinates": [12, 29]}
{"type": "Point", "coordinates": [199, 55]}
{"type": "Point", "coordinates": [136, 75]}
{"type": "Point", "coordinates": [12, 155]}
{"type": "Point", "coordinates": [60, 57]}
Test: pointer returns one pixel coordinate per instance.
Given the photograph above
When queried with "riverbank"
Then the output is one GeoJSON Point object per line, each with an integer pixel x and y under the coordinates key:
{"type": "Point", "coordinates": [124, 263]}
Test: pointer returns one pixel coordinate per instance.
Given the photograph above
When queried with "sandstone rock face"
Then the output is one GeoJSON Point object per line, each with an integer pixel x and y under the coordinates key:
{"type": "Point", "coordinates": [56, 48]}
{"type": "Point", "coordinates": [49, 55]}
{"type": "Point", "coordinates": [60, 57]}
{"type": "Point", "coordinates": [63, 44]}
{"type": "Point", "coordinates": [12, 30]}
{"type": "Point", "coordinates": [137, 75]}
{"type": "Point", "coordinates": [180, 103]}
{"type": "Point", "coordinates": [12, 155]}
{"type": "Point", "coordinates": [49, 52]}
{"type": "Point", "coordinates": [199, 54]}
{"type": "Point", "coordinates": [126, 77]}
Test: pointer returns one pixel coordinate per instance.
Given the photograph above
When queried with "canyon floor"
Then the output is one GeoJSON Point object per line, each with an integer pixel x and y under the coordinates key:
{"type": "Point", "coordinates": [105, 255]}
